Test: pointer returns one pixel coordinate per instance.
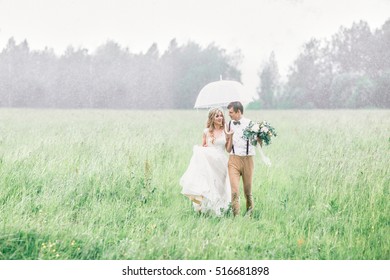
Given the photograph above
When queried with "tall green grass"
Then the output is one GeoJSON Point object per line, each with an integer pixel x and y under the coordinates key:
{"type": "Point", "coordinates": [104, 185]}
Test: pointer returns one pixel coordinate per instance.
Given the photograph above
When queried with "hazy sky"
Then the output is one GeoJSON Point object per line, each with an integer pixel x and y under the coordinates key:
{"type": "Point", "coordinates": [257, 27]}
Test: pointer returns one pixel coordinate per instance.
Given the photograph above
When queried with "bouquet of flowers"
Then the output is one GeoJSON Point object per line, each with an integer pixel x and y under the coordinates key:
{"type": "Point", "coordinates": [262, 130]}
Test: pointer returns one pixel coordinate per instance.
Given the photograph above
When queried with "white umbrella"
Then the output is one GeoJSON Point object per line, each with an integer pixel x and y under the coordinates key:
{"type": "Point", "coordinates": [221, 93]}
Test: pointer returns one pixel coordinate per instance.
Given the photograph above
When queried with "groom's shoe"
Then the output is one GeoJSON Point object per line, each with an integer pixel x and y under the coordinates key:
{"type": "Point", "coordinates": [249, 212]}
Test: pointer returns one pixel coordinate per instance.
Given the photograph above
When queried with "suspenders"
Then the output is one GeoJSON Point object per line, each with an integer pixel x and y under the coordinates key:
{"type": "Point", "coordinates": [247, 143]}
{"type": "Point", "coordinates": [230, 122]}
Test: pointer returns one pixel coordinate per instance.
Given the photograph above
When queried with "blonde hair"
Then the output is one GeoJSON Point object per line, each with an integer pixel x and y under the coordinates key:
{"type": "Point", "coordinates": [210, 121]}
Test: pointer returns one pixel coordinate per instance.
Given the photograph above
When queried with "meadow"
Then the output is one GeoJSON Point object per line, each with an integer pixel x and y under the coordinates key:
{"type": "Point", "coordinates": [103, 184]}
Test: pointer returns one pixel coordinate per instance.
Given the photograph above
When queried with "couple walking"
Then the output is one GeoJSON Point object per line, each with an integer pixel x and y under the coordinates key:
{"type": "Point", "coordinates": [212, 178]}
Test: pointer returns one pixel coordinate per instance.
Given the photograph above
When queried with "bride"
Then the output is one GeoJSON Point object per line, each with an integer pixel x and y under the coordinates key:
{"type": "Point", "coordinates": [206, 182]}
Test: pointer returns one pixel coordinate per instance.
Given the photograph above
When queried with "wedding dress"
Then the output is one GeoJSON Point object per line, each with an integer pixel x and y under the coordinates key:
{"type": "Point", "coordinates": [206, 180]}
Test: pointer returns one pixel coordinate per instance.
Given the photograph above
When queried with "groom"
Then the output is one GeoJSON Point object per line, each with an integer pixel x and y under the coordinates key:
{"type": "Point", "coordinates": [240, 159]}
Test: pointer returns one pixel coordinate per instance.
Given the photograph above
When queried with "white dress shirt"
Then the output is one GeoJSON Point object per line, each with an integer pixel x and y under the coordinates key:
{"type": "Point", "coordinates": [239, 143]}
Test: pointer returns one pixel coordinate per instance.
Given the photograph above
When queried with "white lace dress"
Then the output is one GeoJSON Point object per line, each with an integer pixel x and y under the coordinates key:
{"type": "Point", "coordinates": [206, 180]}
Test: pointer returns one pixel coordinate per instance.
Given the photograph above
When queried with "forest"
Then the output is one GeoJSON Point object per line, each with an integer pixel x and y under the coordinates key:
{"type": "Point", "coordinates": [349, 70]}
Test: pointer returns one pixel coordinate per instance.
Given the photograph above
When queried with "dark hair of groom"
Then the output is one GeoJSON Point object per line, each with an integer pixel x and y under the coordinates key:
{"type": "Point", "coordinates": [236, 106]}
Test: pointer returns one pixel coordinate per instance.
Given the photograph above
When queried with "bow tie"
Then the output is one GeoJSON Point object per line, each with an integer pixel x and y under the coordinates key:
{"type": "Point", "coordinates": [236, 122]}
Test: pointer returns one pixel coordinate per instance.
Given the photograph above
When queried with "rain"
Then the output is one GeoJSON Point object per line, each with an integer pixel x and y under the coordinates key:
{"type": "Point", "coordinates": [345, 67]}
{"type": "Point", "coordinates": [103, 102]}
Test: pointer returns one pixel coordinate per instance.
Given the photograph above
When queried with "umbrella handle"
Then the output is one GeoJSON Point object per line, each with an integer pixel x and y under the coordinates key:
{"type": "Point", "coordinates": [227, 132]}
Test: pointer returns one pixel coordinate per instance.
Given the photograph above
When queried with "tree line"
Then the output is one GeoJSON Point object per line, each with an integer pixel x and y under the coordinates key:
{"type": "Point", "coordinates": [112, 77]}
{"type": "Point", "coordinates": [349, 70]}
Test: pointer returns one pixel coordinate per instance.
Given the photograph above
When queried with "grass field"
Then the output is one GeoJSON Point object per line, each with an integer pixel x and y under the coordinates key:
{"type": "Point", "coordinates": [100, 184]}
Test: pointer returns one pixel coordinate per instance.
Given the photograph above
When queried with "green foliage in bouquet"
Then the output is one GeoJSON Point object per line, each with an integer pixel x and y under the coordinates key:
{"type": "Point", "coordinates": [262, 130]}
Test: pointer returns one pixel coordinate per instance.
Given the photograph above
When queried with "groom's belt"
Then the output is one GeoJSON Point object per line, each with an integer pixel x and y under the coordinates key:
{"type": "Point", "coordinates": [246, 156]}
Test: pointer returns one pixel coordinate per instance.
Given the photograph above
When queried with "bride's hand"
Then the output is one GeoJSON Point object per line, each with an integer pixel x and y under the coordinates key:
{"type": "Point", "coordinates": [227, 131]}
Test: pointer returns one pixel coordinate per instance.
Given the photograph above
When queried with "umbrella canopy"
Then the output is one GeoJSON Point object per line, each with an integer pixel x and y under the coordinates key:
{"type": "Point", "coordinates": [221, 93]}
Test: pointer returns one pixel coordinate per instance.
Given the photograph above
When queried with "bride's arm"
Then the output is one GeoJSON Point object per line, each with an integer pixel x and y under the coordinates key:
{"type": "Point", "coordinates": [204, 139]}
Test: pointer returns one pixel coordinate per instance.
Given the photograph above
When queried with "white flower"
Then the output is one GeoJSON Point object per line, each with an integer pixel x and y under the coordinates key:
{"type": "Point", "coordinates": [264, 129]}
{"type": "Point", "coordinates": [255, 127]}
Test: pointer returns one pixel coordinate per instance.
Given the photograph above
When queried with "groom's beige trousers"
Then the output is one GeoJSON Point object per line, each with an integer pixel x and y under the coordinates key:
{"type": "Point", "coordinates": [241, 166]}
